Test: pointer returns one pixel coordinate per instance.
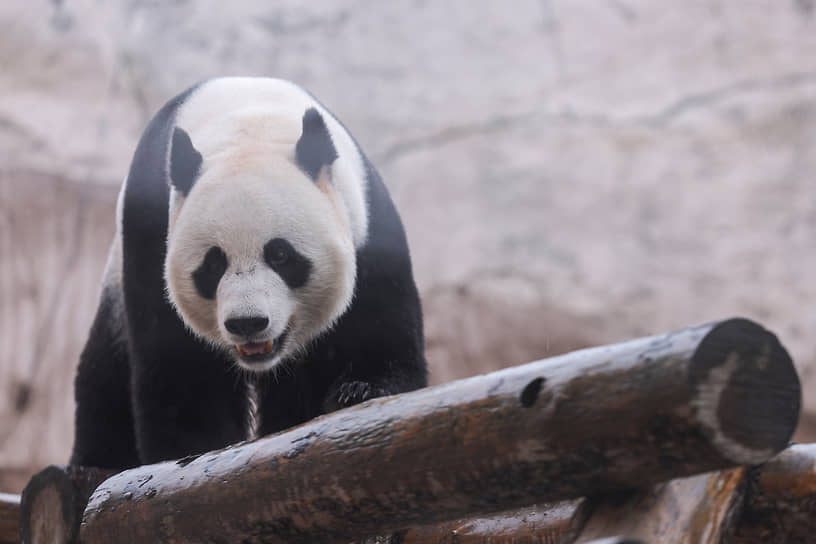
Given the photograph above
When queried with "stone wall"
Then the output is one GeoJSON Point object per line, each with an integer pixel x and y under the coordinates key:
{"type": "Point", "coordinates": [569, 172]}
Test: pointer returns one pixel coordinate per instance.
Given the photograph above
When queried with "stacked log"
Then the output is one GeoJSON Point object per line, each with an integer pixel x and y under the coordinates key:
{"type": "Point", "coordinates": [594, 422]}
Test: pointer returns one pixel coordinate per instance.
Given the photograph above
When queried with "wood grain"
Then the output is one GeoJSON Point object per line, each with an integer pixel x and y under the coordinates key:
{"type": "Point", "coordinates": [595, 421]}
{"type": "Point", "coordinates": [54, 500]}
{"type": "Point", "coordinates": [537, 524]}
{"type": "Point", "coordinates": [781, 508]}
{"type": "Point", "coordinates": [703, 508]}
{"type": "Point", "coordinates": [696, 510]}
{"type": "Point", "coordinates": [54, 235]}
{"type": "Point", "coordinates": [9, 518]}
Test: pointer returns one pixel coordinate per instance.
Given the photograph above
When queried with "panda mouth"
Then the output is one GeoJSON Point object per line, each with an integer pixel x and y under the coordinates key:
{"type": "Point", "coordinates": [254, 349]}
{"type": "Point", "coordinates": [261, 351]}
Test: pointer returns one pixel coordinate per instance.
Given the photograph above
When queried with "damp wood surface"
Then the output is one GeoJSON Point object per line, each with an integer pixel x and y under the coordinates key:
{"type": "Point", "coordinates": [9, 518]}
{"type": "Point", "coordinates": [696, 510]}
{"type": "Point", "coordinates": [536, 524]}
{"type": "Point", "coordinates": [701, 508]}
{"type": "Point", "coordinates": [594, 421]}
{"type": "Point", "coordinates": [53, 502]}
{"type": "Point", "coordinates": [781, 504]}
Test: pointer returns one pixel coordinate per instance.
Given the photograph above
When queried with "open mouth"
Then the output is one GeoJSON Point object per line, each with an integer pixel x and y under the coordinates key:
{"type": "Point", "coordinates": [261, 351]}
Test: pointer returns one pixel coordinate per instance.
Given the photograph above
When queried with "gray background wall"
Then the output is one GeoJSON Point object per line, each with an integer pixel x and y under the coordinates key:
{"type": "Point", "coordinates": [569, 172]}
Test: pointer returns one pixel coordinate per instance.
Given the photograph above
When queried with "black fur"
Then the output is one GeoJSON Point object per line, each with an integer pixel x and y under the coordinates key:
{"type": "Point", "coordinates": [184, 397]}
{"type": "Point", "coordinates": [290, 265]}
{"type": "Point", "coordinates": [185, 161]}
{"type": "Point", "coordinates": [315, 148]}
{"type": "Point", "coordinates": [149, 390]}
{"type": "Point", "coordinates": [208, 274]}
{"type": "Point", "coordinates": [105, 411]}
{"type": "Point", "coordinates": [375, 349]}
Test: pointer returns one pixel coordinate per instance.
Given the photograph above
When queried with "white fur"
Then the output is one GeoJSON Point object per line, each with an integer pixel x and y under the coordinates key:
{"type": "Point", "coordinates": [250, 191]}
{"type": "Point", "coordinates": [228, 113]}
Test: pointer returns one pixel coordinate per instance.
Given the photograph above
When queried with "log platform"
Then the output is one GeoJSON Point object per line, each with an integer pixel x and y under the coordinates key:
{"type": "Point", "coordinates": [599, 423]}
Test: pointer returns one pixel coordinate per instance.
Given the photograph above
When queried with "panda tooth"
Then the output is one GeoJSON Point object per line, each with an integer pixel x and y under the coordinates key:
{"type": "Point", "coordinates": [256, 348]}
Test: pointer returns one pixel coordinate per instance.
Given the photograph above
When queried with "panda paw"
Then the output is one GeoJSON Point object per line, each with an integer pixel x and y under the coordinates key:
{"type": "Point", "coordinates": [351, 393]}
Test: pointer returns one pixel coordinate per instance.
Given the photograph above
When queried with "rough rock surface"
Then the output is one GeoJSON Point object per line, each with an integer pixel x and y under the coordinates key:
{"type": "Point", "coordinates": [569, 173]}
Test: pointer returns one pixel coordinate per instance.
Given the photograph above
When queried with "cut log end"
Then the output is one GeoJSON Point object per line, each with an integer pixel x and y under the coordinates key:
{"type": "Point", "coordinates": [746, 391]}
{"type": "Point", "coordinates": [47, 509]}
{"type": "Point", "coordinates": [52, 503]}
{"type": "Point", "coordinates": [9, 518]}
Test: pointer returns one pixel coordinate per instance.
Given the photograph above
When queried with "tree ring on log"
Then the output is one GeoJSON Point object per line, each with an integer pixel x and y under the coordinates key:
{"type": "Point", "coordinates": [47, 488]}
{"type": "Point", "coordinates": [745, 390]}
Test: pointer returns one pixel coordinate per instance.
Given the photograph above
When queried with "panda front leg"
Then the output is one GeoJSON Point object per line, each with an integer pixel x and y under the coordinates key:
{"type": "Point", "coordinates": [103, 432]}
{"type": "Point", "coordinates": [187, 400]}
{"type": "Point", "coordinates": [377, 347]}
{"type": "Point", "coordinates": [348, 393]}
{"type": "Point", "coordinates": [364, 382]}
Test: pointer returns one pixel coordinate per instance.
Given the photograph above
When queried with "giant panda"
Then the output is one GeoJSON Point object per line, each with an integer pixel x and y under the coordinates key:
{"type": "Point", "coordinates": [258, 262]}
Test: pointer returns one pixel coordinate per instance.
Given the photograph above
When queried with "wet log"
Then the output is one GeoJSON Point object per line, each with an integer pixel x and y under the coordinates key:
{"type": "Point", "coordinates": [774, 503]}
{"type": "Point", "coordinates": [700, 509]}
{"type": "Point", "coordinates": [597, 420]}
{"type": "Point", "coordinates": [9, 518]}
{"type": "Point", "coordinates": [617, 540]}
{"type": "Point", "coordinates": [53, 501]}
{"type": "Point", "coordinates": [537, 524]}
{"type": "Point", "coordinates": [781, 506]}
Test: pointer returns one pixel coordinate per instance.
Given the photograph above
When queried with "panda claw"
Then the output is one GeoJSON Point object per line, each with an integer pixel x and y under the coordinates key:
{"type": "Point", "coordinates": [351, 393]}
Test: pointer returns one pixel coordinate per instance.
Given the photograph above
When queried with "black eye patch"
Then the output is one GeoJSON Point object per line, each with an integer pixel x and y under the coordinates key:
{"type": "Point", "coordinates": [209, 272]}
{"type": "Point", "coordinates": [285, 260]}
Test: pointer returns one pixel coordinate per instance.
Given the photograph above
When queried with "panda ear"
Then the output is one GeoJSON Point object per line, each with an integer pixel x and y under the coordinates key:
{"type": "Point", "coordinates": [314, 149]}
{"type": "Point", "coordinates": [185, 162]}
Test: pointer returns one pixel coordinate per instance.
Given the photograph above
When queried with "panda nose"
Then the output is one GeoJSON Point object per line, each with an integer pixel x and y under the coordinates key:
{"type": "Point", "coordinates": [246, 326]}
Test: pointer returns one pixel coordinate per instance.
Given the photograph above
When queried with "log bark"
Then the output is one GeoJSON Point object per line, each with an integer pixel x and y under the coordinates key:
{"type": "Point", "coordinates": [53, 501]}
{"type": "Point", "coordinates": [598, 420]}
{"type": "Point", "coordinates": [698, 510]}
{"type": "Point", "coordinates": [9, 518]}
{"type": "Point", "coordinates": [771, 504]}
{"type": "Point", "coordinates": [774, 503]}
{"type": "Point", "coordinates": [781, 508]}
{"type": "Point", "coordinates": [618, 540]}
{"type": "Point", "coordinates": [537, 524]}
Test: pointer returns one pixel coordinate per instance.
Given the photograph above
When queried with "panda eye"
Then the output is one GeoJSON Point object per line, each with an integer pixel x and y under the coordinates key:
{"type": "Point", "coordinates": [277, 252]}
{"type": "Point", "coordinates": [293, 267]}
{"type": "Point", "coordinates": [209, 272]}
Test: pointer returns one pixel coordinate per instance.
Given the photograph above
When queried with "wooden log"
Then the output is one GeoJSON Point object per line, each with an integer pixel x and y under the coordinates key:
{"type": "Point", "coordinates": [9, 518]}
{"type": "Point", "coordinates": [617, 540]}
{"type": "Point", "coordinates": [53, 501]}
{"type": "Point", "coordinates": [537, 524]}
{"type": "Point", "coordinates": [779, 499]}
{"type": "Point", "coordinates": [781, 507]}
{"type": "Point", "coordinates": [598, 420]}
{"type": "Point", "coordinates": [697, 510]}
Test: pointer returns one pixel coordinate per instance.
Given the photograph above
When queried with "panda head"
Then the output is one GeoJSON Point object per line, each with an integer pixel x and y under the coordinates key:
{"type": "Point", "coordinates": [260, 258]}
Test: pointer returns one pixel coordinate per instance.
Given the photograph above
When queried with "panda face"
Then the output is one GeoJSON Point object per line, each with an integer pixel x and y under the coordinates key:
{"type": "Point", "coordinates": [260, 259]}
